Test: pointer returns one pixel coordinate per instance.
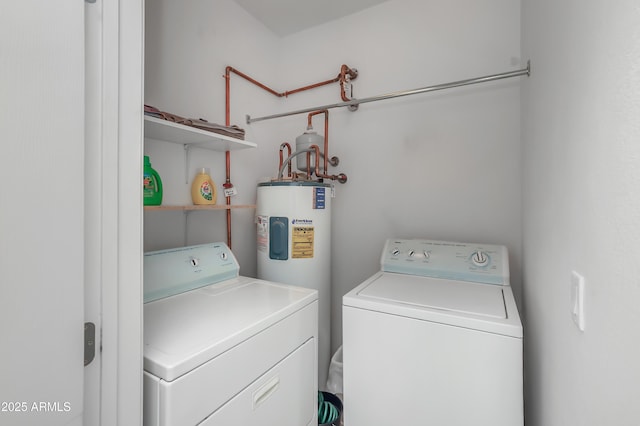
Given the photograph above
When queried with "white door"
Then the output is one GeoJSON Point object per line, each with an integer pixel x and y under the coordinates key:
{"type": "Point", "coordinates": [41, 212]}
{"type": "Point", "coordinates": [70, 214]}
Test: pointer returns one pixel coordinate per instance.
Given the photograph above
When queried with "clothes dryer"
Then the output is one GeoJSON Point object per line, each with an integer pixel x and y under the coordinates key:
{"type": "Point", "coordinates": [434, 338]}
{"type": "Point", "coordinates": [222, 349]}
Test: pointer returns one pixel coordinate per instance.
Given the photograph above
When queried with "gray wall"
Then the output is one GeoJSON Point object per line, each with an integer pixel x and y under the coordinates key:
{"type": "Point", "coordinates": [581, 208]}
{"type": "Point", "coordinates": [444, 165]}
{"type": "Point", "coordinates": [417, 166]}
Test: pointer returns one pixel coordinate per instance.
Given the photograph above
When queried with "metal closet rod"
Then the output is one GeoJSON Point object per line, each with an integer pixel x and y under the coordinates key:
{"type": "Point", "coordinates": [355, 102]}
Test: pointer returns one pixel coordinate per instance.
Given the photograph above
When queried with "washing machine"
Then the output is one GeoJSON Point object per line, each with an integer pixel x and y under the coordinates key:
{"type": "Point", "coordinates": [222, 349]}
{"type": "Point", "coordinates": [434, 338]}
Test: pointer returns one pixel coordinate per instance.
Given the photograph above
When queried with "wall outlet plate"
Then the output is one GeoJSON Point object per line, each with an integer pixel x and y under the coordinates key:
{"type": "Point", "coordinates": [577, 299]}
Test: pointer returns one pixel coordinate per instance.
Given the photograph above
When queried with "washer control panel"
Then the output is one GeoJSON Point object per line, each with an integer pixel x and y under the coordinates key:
{"type": "Point", "coordinates": [481, 263]}
{"type": "Point", "coordinates": [173, 271]}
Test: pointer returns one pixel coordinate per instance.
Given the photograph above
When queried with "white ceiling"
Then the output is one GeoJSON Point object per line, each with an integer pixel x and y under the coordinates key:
{"type": "Point", "coordinates": [285, 17]}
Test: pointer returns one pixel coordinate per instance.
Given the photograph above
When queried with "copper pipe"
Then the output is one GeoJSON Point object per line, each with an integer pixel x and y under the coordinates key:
{"type": "Point", "coordinates": [326, 140]}
{"type": "Point", "coordinates": [227, 92]}
{"type": "Point", "coordinates": [309, 161]}
{"type": "Point", "coordinates": [342, 77]}
{"type": "Point", "coordinates": [342, 178]}
{"type": "Point", "coordinates": [229, 70]}
{"type": "Point", "coordinates": [282, 147]}
{"type": "Point", "coordinates": [291, 157]}
{"type": "Point", "coordinates": [345, 72]}
{"type": "Point", "coordinates": [312, 86]}
{"type": "Point", "coordinates": [227, 183]}
{"type": "Point", "coordinates": [317, 151]}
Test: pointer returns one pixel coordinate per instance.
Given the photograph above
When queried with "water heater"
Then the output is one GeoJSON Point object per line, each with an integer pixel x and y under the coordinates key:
{"type": "Point", "coordinates": [293, 220]}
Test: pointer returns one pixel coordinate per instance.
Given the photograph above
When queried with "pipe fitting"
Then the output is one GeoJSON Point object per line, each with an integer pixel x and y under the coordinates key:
{"type": "Point", "coordinates": [284, 145]}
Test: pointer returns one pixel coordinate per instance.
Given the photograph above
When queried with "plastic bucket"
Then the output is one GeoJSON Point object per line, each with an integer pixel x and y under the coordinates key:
{"type": "Point", "coordinates": [334, 381]}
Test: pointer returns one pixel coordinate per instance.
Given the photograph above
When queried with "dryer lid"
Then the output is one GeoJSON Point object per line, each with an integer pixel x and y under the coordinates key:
{"type": "Point", "coordinates": [186, 330]}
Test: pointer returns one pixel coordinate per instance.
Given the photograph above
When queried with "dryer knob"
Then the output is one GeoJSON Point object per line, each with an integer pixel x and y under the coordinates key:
{"type": "Point", "coordinates": [395, 252]}
{"type": "Point", "coordinates": [480, 258]}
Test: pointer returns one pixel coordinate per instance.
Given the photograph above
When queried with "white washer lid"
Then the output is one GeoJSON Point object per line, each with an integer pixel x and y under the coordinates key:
{"type": "Point", "coordinates": [472, 305]}
{"type": "Point", "coordinates": [425, 292]}
{"type": "Point", "coordinates": [184, 331]}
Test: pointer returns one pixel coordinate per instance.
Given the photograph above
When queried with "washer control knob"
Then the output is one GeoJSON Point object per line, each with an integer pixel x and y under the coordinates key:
{"type": "Point", "coordinates": [426, 254]}
{"type": "Point", "coordinates": [395, 252]}
{"type": "Point", "coordinates": [411, 253]}
{"type": "Point", "coordinates": [194, 261]}
{"type": "Point", "coordinates": [480, 258]}
{"type": "Point", "coordinates": [224, 255]}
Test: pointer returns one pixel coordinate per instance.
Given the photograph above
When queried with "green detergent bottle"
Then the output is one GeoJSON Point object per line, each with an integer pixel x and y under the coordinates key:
{"type": "Point", "coordinates": [151, 185]}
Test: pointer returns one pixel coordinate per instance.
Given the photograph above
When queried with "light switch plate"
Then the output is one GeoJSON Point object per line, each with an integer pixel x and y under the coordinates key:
{"type": "Point", "coordinates": [577, 299]}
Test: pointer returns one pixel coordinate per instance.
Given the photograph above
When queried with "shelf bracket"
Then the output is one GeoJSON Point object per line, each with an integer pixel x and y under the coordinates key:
{"type": "Point", "coordinates": [186, 162]}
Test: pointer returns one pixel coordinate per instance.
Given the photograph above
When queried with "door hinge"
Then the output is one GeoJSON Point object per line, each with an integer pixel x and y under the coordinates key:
{"type": "Point", "coordinates": [89, 342]}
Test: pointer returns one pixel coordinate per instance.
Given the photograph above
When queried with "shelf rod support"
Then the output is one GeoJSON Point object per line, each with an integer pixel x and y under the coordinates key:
{"type": "Point", "coordinates": [186, 147]}
{"type": "Point", "coordinates": [355, 102]}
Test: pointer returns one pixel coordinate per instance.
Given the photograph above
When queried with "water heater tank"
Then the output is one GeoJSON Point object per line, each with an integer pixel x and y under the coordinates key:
{"type": "Point", "coordinates": [293, 240]}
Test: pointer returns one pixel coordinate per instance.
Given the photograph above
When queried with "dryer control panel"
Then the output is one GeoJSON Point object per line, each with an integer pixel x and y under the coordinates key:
{"type": "Point", "coordinates": [481, 263]}
{"type": "Point", "coordinates": [176, 270]}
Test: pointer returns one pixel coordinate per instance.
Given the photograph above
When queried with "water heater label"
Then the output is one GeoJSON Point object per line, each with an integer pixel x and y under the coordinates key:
{"type": "Point", "coordinates": [302, 242]}
{"type": "Point", "coordinates": [262, 230]}
{"type": "Point", "coordinates": [319, 197]}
